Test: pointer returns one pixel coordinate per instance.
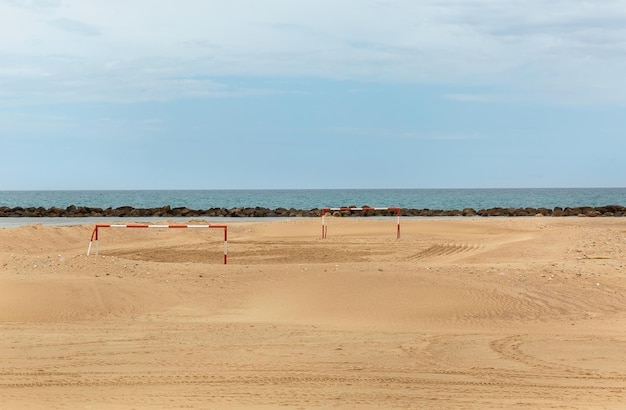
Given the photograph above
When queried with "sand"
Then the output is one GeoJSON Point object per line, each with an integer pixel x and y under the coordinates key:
{"type": "Point", "coordinates": [458, 313]}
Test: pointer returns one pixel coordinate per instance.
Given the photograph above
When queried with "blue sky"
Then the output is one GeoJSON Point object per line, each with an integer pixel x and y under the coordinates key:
{"type": "Point", "coordinates": [247, 94]}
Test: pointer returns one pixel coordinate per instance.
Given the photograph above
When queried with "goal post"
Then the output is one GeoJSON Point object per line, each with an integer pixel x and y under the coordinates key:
{"type": "Point", "coordinates": [96, 229]}
{"type": "Point", "coordinates": [365, 209]}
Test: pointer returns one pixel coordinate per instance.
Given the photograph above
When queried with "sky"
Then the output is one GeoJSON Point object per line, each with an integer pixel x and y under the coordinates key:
{"type": "Point", "coordinates": [286, 94]}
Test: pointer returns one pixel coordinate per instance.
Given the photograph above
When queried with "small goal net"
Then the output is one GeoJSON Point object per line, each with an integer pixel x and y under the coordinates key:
{"type": "Point", "coordinates": [96, 230]}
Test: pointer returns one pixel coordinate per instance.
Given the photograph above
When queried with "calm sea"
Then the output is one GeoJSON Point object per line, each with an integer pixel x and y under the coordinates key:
{"type": "Point", "coordinates": [446, 199]}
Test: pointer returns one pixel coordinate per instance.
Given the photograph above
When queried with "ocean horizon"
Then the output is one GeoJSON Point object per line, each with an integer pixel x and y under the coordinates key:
{"type": "Point", "coordinates": [306, 199]}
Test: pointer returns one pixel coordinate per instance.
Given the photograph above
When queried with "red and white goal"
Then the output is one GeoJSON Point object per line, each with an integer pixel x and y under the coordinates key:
{"type": "Point", "coordinates": [96, 229]}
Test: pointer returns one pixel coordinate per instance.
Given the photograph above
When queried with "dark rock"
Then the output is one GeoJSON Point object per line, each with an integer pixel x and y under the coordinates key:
{"type": "Point", "coordinates": [615, 209]}
{"type": "Point", "coordinates": [261, 212]}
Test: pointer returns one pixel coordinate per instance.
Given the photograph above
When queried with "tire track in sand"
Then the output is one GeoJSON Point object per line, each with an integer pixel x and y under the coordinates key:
{"type": "Point", "coordinates": [445, 250]}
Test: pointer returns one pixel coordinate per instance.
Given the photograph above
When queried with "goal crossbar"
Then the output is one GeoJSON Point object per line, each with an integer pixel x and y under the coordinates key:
{"type": "Point", "coordinates": [397, 210]}
{"type": "Point", "coordinates": [97, 227]}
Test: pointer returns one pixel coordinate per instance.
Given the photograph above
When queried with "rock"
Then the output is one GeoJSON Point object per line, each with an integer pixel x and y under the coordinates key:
{"type": "Point", "coordinates": [260, 212]}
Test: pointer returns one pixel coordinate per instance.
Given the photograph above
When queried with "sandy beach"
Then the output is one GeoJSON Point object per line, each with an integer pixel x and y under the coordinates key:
{"type": "Point", "coordinates": [457, 313]}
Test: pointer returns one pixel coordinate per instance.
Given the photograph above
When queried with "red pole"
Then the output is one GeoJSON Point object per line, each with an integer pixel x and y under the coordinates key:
{"type": "Point", "coordinates": [225, 245]}
{"type": "Point", "coordinates": [225, 228]}
{"type": "Point", "coordinates": [398, 232]}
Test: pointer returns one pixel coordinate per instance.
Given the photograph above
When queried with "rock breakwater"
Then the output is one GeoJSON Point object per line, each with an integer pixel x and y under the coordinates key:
{"type": "Point", "coordinates": [73, 211]}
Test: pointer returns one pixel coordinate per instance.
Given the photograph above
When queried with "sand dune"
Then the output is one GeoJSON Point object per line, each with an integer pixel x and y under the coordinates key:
{"type": "Point", "coordinates": [458, 313]}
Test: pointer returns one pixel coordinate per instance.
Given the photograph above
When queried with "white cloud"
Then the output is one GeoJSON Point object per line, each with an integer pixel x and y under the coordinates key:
{"type": "Point", "coordinates": [75, 27]}
{"type": "Point", "coordinates": [400, 135]}
{"type": "Point", "coordinates": [475, 97]}
{"type": "Point", "coordinates": [564, 50]}
{"type": "Point", "coordinates": [35, 4]}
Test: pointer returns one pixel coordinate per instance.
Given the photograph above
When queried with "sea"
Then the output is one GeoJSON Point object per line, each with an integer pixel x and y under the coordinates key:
{"type": "Point", "coordinates": [306, 199]}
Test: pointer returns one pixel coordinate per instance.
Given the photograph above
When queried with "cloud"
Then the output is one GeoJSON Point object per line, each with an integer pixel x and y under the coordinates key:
{"type": "Point", "coordinates": [35, 4]}
{"type": "Point", "coordinates": [74, 26]}
{"type": "Point", "coordinates": [402, 135]}
{"type": "Point", "coordinates": [561, 50]}
{"type": "Point", "coordinates": [477, 97]}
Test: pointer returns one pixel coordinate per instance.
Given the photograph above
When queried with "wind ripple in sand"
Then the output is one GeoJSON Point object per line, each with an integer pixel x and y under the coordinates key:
{"type": "Point", "coordinates": [579, 357]}
{"type": "Point", "coordinates": [46, 300]}
{"type": "Point", "coordinates": [409, 301]}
